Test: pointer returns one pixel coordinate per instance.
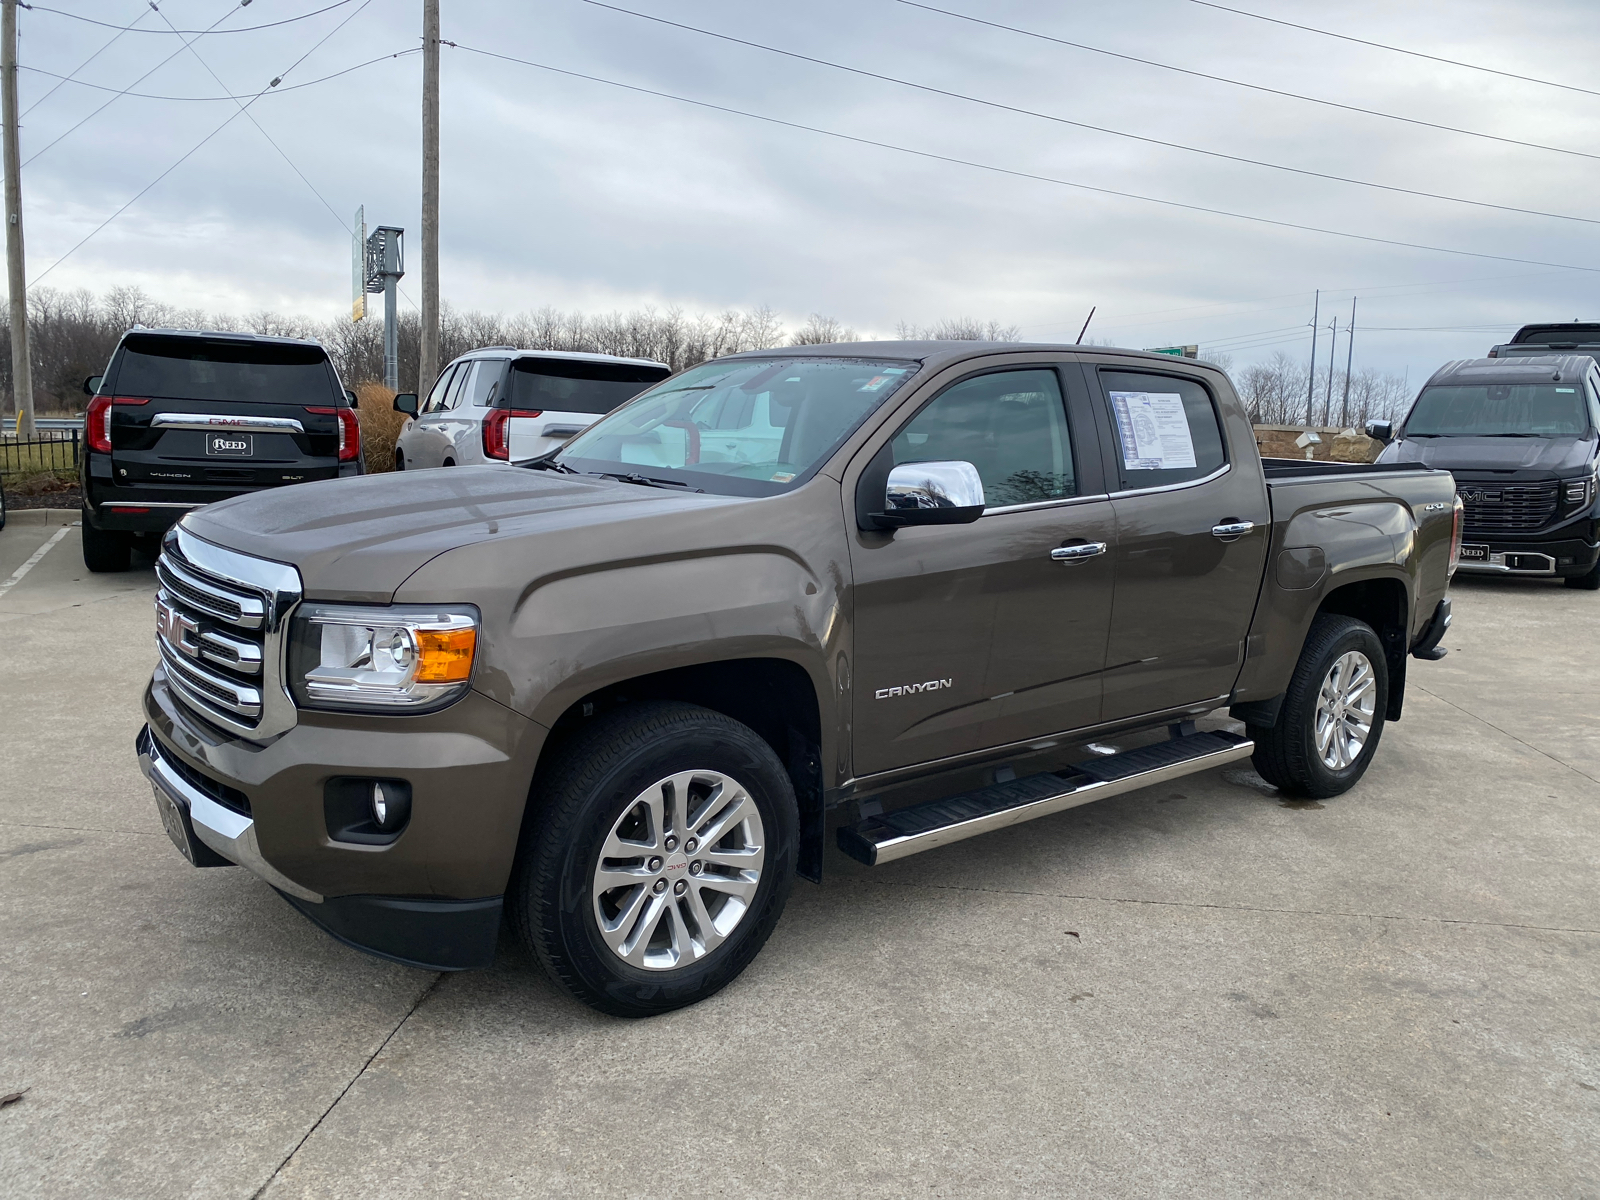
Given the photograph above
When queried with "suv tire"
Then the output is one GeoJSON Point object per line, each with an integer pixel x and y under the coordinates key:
{"type": "Point", "coordinates": [1589, 582]}
{"type": "Point", "coordinates": [105, 550]}
{"type": "Point", "coordinates": [643, 781]}
{"type": "Point", "coordinates": [1332, 714]}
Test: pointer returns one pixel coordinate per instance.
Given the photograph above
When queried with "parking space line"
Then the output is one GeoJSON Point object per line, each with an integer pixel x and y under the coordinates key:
{"type": "Point", "coordinates": [16, 576]}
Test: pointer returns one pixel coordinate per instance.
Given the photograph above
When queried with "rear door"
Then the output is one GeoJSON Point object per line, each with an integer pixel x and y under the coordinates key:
{"type": "Point", "coordinates": [426, 440]}
{"type": "Point", "coordinates": [1192, 531]}
{"type": "Point", "coordinates": [221, 414]}
{"type": "Point", "coordinates": [974, 636]}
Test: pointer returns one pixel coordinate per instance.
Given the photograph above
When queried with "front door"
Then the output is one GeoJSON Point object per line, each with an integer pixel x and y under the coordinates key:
{"type": "Point", "coordinates": [424, 443]}
{"type": "Point", "coordinates": [1192, 532]}
{"type": "Point", "coordinates": [972, 636]}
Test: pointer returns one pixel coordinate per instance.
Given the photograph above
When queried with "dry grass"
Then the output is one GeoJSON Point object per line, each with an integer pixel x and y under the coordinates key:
{"type": "Point", "coordinates": [380, 426]}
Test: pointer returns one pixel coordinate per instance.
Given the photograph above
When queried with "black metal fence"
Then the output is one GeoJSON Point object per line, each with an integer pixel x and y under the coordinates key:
{"type": "Point", "coordinates": [52, 450]}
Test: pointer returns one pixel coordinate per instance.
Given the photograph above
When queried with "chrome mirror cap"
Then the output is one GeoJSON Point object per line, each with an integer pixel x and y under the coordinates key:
{"type": "Point", "coordinates": [933, 493]}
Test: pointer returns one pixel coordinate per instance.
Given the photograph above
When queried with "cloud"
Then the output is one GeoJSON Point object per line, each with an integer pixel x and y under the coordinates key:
{"type": "Point", "coordinates": [562, 191]}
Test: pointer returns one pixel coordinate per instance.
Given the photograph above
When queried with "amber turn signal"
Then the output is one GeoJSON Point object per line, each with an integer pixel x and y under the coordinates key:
{"type": "Point", "coordinates": [445, 655]}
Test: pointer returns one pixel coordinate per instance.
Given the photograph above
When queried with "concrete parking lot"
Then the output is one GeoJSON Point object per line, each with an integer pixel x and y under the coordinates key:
{"type": "Point", "coordinates": [1197, 989]}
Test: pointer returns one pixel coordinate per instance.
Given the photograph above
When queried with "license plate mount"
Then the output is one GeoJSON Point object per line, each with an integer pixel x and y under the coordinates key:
{"type": "Point", "coordinates": [230, 445]}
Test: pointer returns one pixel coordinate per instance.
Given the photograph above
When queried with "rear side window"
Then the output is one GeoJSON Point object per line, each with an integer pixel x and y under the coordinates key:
{"type": "Point", "coordinates": [1166, 428]}
{"type": "Point", "coordinates": [484, 385]}
{"type": "Point", "coordinates": [201, 369]}
{"type": "Point", "coordinates": [572, 385]}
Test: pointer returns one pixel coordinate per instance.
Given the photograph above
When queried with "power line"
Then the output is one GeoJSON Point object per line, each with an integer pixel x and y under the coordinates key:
{"type": "Point", "coordinates": [190, 152]}
{"type": "Point", "coordinates": [1016, 174]}
{"type": "Point", "coordinates": [1344, 37]}
{"type": "Point", "coordinates": [262, 129]}
{"type": "Point", "coordinates": [1255, 87]}
{"type": "Point", "coordinates": [185, 32]}
{"type": "Point", "coordinates": [1028, 112]}
{"type": "Point", "coordinates": [278, 91]}
{"type": "Point", "coordinates": [236, 8]}
{"type": "Point", "coordinates": [83, 64]}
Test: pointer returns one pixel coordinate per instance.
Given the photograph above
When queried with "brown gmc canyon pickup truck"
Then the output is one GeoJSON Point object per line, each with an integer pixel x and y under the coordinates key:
{"type": "Point", "coordinates": [884, 591]}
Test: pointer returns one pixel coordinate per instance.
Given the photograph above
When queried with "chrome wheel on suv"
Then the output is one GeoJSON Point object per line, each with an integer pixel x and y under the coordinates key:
{"type": "Point", "coordinates": [1345, 705]}
{"type": "Point", "coordinates": [679, 869]}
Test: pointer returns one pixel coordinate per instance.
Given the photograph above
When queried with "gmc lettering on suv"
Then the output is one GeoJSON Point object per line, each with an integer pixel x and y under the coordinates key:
{"type": "Point", "coordinates": [882, 595]}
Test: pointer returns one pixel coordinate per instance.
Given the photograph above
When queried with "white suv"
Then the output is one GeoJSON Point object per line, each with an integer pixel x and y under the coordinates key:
{"type": "Point", "coordinates": [501, 404]}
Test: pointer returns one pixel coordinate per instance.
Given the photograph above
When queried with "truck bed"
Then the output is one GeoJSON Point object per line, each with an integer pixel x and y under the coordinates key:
{"type": "Point", "coordinates": [1295, 468]}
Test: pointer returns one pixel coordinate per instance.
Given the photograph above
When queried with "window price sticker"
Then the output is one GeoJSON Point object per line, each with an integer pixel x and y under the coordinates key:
{"type": "Point", "coordinates": [1154, 431]}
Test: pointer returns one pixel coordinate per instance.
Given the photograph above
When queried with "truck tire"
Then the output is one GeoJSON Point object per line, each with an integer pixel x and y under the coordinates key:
{"type": "Point", "coordinates": [105, 550]}
{"type": "Point", "coordinates": [660, 859]}
{"type": "Point", "coordinates": [1332, 715]}
{"type": "Point", "coordinates": [1589, 582]}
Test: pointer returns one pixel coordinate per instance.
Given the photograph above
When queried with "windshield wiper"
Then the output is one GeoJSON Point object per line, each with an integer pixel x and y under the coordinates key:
{"type": "Point", "coordinates": [1533, 435]}
{"type": "Point", "coordinates": [646, 482]}
{"type": "Point", "coordinates": [549, 464]}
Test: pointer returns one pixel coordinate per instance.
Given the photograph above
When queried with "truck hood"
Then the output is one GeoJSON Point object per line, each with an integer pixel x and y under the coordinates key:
{"type": "Point", "coordinates": [1544, 456]}
{"type": "Point", "coordinates": [359, 539]}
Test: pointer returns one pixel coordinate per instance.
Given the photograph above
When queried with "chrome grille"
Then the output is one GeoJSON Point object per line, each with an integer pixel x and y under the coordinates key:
{"type": "Point", "coordinates": [219, 627]}
{"type": "Point", "coordinates": [1507, 507]}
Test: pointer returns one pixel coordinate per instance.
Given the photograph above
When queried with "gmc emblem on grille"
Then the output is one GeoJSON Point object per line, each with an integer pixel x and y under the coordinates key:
{"type": "Point", "coordinates": [177, 630]}
{"type": "Point", "coordinates": [1471, 497]}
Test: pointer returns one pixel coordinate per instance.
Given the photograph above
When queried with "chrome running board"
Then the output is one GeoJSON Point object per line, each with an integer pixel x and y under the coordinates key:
{"type": "Point", "coordinates": [936, 823]}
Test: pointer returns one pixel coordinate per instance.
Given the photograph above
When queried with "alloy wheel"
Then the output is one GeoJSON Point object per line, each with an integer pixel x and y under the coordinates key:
{"type": "Point", "coordinates": [679, 870]}
{"type": "Point", "coordinates": [1346, 704]}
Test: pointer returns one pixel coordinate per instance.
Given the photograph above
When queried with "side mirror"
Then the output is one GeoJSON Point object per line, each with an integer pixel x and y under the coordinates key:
{"type": "Point", "coordinates": [91, 385]}
{"type": "Point", "coordinates": [931, 493]}
{"type": "Point", "coordinates": [406, 402]}
{"type": "Point", "coordinates": [350, 399]}
{"type": "Point", "coordinates": [1382, 430]}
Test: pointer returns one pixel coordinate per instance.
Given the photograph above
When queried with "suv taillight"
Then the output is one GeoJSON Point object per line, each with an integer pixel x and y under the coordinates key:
{"type": "Point", "coordinates": [496, 435]}
{"type": "Point", "coordinates": [349, 431]}
{"type": "Point", "coordinates": [1458, 519]}
{"type": "Point", "coordinates": [97, 420]}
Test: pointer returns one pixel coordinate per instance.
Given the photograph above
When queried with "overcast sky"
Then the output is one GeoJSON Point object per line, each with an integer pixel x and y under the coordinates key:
{"type": "Point", "coordinates": [568, 192]}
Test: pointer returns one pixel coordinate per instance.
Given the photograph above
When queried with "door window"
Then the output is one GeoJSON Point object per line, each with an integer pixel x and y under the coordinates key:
{"type": "Point", "coordinates": [1010, 425]}
{"type": "Point", "coordinates": [458, 385]}
{"type": "Point", "coordinates": [1166, 428]}
{"type": "Point", "coordinates": [436, 397]}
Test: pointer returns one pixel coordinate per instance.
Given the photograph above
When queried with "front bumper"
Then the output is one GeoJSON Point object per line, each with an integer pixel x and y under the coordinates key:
{"type": "Point", "coordinates": [1555, 558]}
{"type": "Point", "coordinates": [431, 898]}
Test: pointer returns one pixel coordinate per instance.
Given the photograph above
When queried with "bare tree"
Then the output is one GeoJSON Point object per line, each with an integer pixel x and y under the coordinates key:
{"type": "Point", "coordinates": [820, 331]}
{"type": "Point", "coordinates": [959, 329]}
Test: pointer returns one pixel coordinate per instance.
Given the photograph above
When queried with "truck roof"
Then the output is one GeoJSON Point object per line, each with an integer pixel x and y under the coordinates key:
{"type": "Point", "coordinates": [1524, 369]}
{"type": "Point", "coordinates": [513, 352]}
{"type": "Point", "coordinates": [936, 353]}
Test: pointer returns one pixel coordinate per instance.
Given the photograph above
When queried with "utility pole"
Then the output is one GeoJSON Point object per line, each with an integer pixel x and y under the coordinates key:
{"type": "Point", "coordinates": [1349, 357]}
{"type": "Point", "coordinates": [428, 368]}
{"type": "Point", "coordinates": [1311, 381]}
{"type": "Point", "coordinates": [21, 361]}
{"type": "Point", "coordinates": [1327, 396]}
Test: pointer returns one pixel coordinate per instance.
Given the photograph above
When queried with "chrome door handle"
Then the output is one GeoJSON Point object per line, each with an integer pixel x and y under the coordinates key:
{"type": "Point", "coordinates": [1232, 529]}
{"type": "Point", "coordinates": [1083, 550]}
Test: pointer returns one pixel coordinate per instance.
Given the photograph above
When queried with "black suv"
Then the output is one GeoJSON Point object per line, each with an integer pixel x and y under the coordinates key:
{"type": "Point", "coordinates": [184, 417]}
{"type": "Point", "coordinates": [1522, 437]}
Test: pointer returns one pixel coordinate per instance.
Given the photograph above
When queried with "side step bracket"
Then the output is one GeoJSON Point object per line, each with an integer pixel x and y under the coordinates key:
{"type": "Point", "coordinates": [935, 823]}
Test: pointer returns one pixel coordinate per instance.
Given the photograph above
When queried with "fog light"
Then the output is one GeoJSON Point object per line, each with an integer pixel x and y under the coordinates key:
{"type": "Point", "coordinates": [371, 812]}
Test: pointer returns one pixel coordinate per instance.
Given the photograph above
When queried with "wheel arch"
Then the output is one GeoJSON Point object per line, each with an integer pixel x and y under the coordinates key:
{"type": "Point", "coordinates": [776, 697]}
{"type": "Point", "coordinates": [1383, 602]}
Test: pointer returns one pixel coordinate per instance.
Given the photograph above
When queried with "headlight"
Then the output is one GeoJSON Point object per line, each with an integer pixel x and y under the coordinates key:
{"type": "Point", "coordinates": [402, 659]}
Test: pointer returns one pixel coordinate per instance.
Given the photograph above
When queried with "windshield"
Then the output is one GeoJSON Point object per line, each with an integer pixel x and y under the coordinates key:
{"type": "Point", "coordinates": [190, 368]}
{"type": "Point", "coordinates": [742, 427]}
{"type": "Point", "coordinates": [1504, 410]}
{"type": "Point", "coordinates": [578, 386]}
